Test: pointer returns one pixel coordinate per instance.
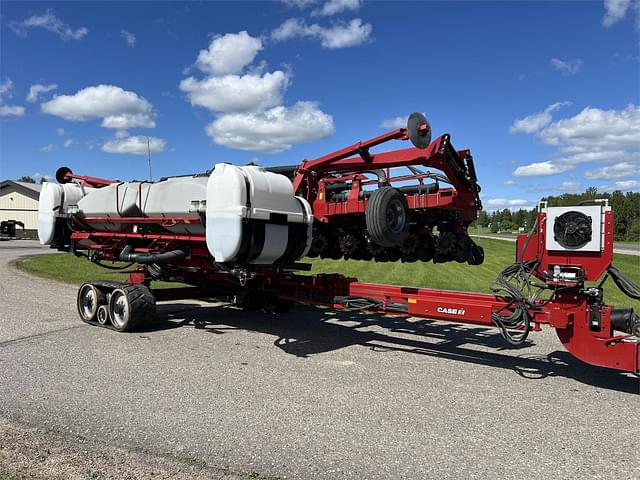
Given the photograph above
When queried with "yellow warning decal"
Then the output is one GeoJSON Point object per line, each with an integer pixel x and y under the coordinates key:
{"type": "Point", "coordinates": [412, 300]}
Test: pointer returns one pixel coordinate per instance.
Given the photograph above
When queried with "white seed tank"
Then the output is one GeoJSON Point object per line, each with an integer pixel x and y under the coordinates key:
{"type": "Point", "coordinates": [251, 216]}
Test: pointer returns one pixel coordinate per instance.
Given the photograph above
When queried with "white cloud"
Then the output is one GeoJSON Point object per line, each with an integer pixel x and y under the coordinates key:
{"type": "Point", "coordinates": [509, 183]}
{"type": "Point", "coordinates": [135, 145]}
{"type": "Point", "coordinates": [594, 130]}
{"type": "Point", "coordinates": [118, 108]}
{"type": "Point", "coordinates": [47, 148]}
{"type": "Point", "coordinates": [68, 142]}
{"type": "Point", "coordinates": [534, 122]}
{"type": "Point", "coordinates": [235, 93]}
{"type": "Point", "coordinates": [8, 110]}
{"type": "Point", "coordinates": [622, 186]}
{"type": "Point", "coordinates": [568, 187]}
{"type": "Point", "coordinates": [37, 89]}
{"type": "Point", "coordinates": [5, 88]}
{"type": "Point", "coordinates": [339, 35]}
{"type": "Point", "coordinates": [567, 67]}
{"type": "Point", "coordinates": [299, 3]}
{"type": "Point", "coordinates": [541, 169]}
{"type": "Point", "coordinates": [128, 37]}
{"type": "Point", "coordinates": [396, 122]}
{"type": "Point", "coordinates": [60, 132]}
{"type": "Point", "coordinates": [11, 111]}
{"type": "Point", "coordinates": [229, 53]}
{"type": "Point", "coordinates": [618, 170]}
{"type": "Point", "coordinates": [331, 7]}
{"type": "Point", "coordinates": [49, 22]}
{"type": "Point", "coordinates": [593, 135]}
{"type": "Point", "coordinates": [616, 10]}
{"type": "Point", "coordinates": [273, 130]}
{"type": "Point", "coordinates": [510, 203]}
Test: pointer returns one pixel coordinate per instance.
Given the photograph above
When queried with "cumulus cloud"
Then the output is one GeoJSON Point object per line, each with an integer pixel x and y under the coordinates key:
{"type": "Point", "coordinates": [273, 130]}
{"type": "Point", "coordinates": [396, 122]}
{"type": "Point", "coordinates": [118, 108]}
{"type": "Point", "coordinates": [6, 88]}
{"type": "Point", "coordinates": [68, 142]}
{"type": "Point", "coordinates": [541, 169]}
{"type": "Point", "coordinates": [622, 186]}
{"type": "Point", "coordinates": [331, 7]}
{"type": "Point", "coordinates": [248, 102]}
{"type": "Point", "coordinates": [593, 135]}
{"type": "Point", "coordinates": [618, 170]}
{"type": "Point", "coordinates": [616, 10]}
{"type": "Point", "coordinates": [60, 132]}
{"type": "Point", "coordinates": [339, 35]}
{"type": "Point", "coordinates": [134, 145]}
{"type": "Point", "coordinates": [11, 111]}
{"type": "Point", "coordinates": [50, 22]}
{"type": "Point", "coordinates": [37, 89]}
{"type": "Point", "coordinates": [128, 37]}
{"type": "Point", "coordinates": [510, 203]}
{"type": "Point", "coordinates": [594, 128]}
{"type": "Point", "coordinates": [567, 67]}
{"type": "Point", "coordinates": [229, 53]}
{"type": "Point", "coordinates": [533, 123]}
{"type": "Point", "coordinates": [301, 4]}
{"type": "Point", "coordinates": [47, 148]}
{"type": "Point", "coordinates": [236, 93]}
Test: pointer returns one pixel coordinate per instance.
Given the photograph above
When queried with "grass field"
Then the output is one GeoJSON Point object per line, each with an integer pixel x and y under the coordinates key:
{"type": "Point", "coordinates": [449, 276]}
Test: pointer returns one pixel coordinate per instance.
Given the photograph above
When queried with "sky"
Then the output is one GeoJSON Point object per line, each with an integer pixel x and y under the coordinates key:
{"type": "Point", "coordinates": [545, 94]}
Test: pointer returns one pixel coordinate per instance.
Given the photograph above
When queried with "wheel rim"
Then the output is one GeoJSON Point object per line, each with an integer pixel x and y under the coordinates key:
{"type": "Point", "coordinates": [396, 216]}
{"type": "Point", "coordinates": [88, 302]}
{"type": "Point", "coordinates": [103, 315]}
{"type": "Point", "coordinates": [119, 309]}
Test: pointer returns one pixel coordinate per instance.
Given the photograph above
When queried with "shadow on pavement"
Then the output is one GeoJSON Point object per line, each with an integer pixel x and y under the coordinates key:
{"type": "Point", "coordinates": [306, 331]}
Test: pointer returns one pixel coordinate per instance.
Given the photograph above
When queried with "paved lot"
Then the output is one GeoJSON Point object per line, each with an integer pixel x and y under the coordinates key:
{"type": "Point", "coordinates": [312, 394]}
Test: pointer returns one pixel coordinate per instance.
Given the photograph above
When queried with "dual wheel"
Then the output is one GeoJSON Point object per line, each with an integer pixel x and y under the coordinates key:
{"type": "Point", "coordinates": [122, 307]}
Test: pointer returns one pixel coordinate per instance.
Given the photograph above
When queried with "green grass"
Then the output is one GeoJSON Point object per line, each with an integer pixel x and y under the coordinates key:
{"type": "Point", "coordinates": [67, 268]}
{"type": "Point", "coordinates": [461, 276]}
{"type": "Point", "coordinates": [449, 276]}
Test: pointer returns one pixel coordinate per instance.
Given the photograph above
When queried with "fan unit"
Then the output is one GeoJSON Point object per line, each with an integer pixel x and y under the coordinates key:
{"type": "Point", "coordinates": [574, 228]}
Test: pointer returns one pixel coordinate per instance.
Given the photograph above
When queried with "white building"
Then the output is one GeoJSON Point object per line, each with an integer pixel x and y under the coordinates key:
{"type": "Point", "coordinates": [19, 201]}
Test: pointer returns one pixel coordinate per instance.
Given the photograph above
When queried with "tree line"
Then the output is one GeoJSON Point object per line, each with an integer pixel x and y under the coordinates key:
{"type": "Point", "coordinates": [626, 207]}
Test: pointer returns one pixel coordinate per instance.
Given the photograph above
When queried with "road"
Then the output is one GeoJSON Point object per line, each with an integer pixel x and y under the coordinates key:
{"type": "Point", "coordinates": [623, 248]}
{"type": "Point", "coordinates": [312, 394]}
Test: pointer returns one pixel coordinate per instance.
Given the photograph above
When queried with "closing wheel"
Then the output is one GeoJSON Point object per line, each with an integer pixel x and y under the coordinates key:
{"type": "Point", "coordinates": [89, 300]}
{"type": "Point", "coordinates": [387, 217]}
{"type": "Point", "coordinates": [131, 306]}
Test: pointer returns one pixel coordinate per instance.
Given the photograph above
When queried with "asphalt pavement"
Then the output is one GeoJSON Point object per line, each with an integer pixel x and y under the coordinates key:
{"type": "Point", "coordinates": [312, 393]}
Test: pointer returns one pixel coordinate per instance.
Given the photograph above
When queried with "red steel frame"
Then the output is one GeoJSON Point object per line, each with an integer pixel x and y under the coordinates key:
{"type": "Point", "coordinates": [569, 311]}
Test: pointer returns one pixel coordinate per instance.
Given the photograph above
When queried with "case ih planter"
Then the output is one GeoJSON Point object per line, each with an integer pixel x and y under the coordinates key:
{"type": "Point", "coordinates": [239, 231]}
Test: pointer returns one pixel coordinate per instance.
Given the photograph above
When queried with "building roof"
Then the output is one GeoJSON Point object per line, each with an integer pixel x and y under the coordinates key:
{"type": "Point", "coordinates": [30, 189]}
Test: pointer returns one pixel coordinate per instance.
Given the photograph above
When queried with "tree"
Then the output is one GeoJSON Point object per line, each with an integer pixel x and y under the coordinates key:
{"type": "Point", "coordinates": [26, 179]}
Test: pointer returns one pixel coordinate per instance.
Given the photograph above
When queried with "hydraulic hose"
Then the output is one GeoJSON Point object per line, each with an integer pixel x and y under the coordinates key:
{"type": "Point", "coordinates": [149, 258]}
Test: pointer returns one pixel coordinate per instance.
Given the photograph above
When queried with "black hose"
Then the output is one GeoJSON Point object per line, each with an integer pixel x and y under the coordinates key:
{"type": "Point", "coordinates": [149, 258]}
{"type": "Point", "coordinates": [624, 283]}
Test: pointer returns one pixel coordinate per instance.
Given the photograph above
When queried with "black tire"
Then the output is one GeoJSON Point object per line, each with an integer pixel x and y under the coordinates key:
{"type": "Point", "coordinates": [387, 216]}
{"type": "Point", "coordinates": [131, 306]}
{"type": "Point", "coordinates": [89, 299]}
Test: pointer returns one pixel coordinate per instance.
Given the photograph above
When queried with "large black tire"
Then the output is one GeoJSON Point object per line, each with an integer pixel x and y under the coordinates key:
{"type": "Point", "coordinates": [387, 217]}
{"type": "Point", "coordinates": [130, 307]}
{"type": "Point", "coordinates": [90, 298]}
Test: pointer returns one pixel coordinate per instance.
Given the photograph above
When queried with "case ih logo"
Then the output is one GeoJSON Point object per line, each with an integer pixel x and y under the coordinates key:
{"type": "Point", "coordinates": [451, 311]}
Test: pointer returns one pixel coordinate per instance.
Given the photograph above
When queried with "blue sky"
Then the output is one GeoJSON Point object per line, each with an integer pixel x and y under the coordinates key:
{"type": "Point", "coordinates": [545, 94]}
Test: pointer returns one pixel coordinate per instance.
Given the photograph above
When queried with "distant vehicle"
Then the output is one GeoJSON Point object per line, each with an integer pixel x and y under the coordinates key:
{"type": "Point", "coordinates": [8, 229]}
